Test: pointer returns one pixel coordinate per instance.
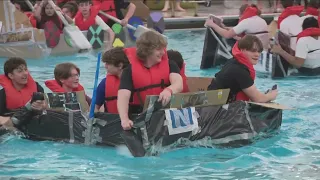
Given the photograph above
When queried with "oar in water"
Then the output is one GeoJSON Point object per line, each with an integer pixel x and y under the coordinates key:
{"type": "Point", "coordinates": [77, 37]}
{"type": "Point", "coordinates": [138, 31]}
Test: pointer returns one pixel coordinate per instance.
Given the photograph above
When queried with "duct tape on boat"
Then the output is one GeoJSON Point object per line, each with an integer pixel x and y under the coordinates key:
{"type": "Point", "coordinates": [182, 120]}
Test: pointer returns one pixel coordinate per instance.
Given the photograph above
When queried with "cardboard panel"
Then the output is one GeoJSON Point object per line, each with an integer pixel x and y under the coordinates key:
{"type": "Point", "coordinates": [67, 101]}
{"type": "Point", "coordinates": [198, 83]}
{"type": "Point", "coordinates": [194, 99]}
{"type": "Point", "coordinates": [273, 105]}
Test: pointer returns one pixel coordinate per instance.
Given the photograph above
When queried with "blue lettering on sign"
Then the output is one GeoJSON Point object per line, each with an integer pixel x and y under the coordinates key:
{"type": "Point", "coordinates": [181, 117]}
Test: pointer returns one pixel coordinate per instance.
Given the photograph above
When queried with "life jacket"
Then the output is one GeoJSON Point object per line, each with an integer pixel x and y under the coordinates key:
{"type": "Point", "coordinates": [54, 86]}
{"type": "Point", "coordinates": [248, 13]}
{"type": "Point", "coordinates": [33, 20]}
{"type": "Point", "coordinates": [184, 78]}
{"type": "Point", "coordinates": [314, 12]}
{"type": "Point", "coordinates": [55, 19]}
{"type": "Point", "coordinates": [292, 10]}
{"type": "Point", "coordinates": [107, 6]}
{"type": "Point", "coordinates": [85, 24]}
{"type": "Point", "coordinates": [16, 99]}
{"type": "Point", "coordinates": [309, 32]}
{"type": "Point", "coordinates": [111, 93]}
{"type": "Point", "coordinates": [241, 58]}
{"type": "Point", "coordinates": [147, 81]}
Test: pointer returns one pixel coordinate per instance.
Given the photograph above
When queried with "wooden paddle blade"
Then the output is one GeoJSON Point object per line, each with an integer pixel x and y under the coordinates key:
{"type": "Point", "coordinates": [52, 34]}
{"type": "Point", "coordinates": [77, 37]}
{"type": "Point", "coordinates": [156, 22]}
{"type": "Point", "coordinates": [95, 36]}
{"type": "Point", "coordinates": [133, 143]}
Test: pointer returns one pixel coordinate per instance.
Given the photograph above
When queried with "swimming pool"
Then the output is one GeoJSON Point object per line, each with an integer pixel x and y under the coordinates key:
{"type": "Point", "coordinates": [292, 154]}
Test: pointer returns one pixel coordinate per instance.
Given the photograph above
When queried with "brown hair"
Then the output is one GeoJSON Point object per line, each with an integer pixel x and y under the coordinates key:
{"type": "Point", "coordinates": [45, 18]}
{"type": "Point", "coordinates": [250, 43]}
{"type": "Point", "coordinates": [72, 7]}
{"type": "Point", "coordinates": [244, 7]}
{"type": "Point", "coordinates": [63, 71]}
{"type": "Point", "coordinates": [13, 63]}
{"type": "Point", "coordinates": [148, 42]}
{"type": "Point", "coordinates": [116, 56]}
{"type": "Point", "coordinates": [175, 56]}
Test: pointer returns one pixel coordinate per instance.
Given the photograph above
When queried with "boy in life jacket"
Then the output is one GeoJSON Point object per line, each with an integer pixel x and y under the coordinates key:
{"type": "Point", "coordinates": [115, 61]}
{"type": "Point", "coordinates": [88, 16]}
{"type": "Point", "coordinates": [66, 79]}
{"type": "Point", "coordinates": [16, 90]}
{"type": "Point", "coordinates": [176, 57]}
{"type": "Point", "coordinates": [149, 73]}
{"type": "Point", "coordinates": [250, 22]}
{"type": "Point", "coordinates": [113, 8]}
{"type": "Point", "coordinates": [289, 21]}
{"type": "Point", "coordinates": [307, 52]}
{"type": "Point", "coordinates": [45, 13]}
{"type": "Point", "coordinates": [238, 75]}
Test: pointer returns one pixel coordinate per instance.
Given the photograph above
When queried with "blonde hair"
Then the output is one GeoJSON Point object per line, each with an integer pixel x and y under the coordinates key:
{"type": "Point", "coordinates": [148, 42]}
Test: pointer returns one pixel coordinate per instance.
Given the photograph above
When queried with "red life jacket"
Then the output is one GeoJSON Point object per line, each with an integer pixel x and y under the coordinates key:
{"type": "Point", "coordinates": [293, 10]}
{"type": "Point", "coordinates": [33, 20]}
{"type": "Point", "coordinates": [314, 12]}
{"type": "Point", "coordinates": [241, 58]}
{"type": "Point", "coordinates": [184, 78]}
{"type": "Point", "coordinates": [248, 13]}
{"type": "Point", "coordinates": [107, 6]}
{"type": "Point", "coordinates": [147, 81]}
{"type": "Point", "coordinates": [309, 32]}
{"type": "Point", "coordinates": [54, 86]}
{"type": "Point", "coordinates": [16, 99]}
{"type": "Point", "coordinates": [111, 93]}
{"type": "Point", "coordinates": [85, 24]}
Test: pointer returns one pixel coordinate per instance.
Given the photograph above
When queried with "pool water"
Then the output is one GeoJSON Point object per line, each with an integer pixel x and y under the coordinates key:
{"type": "Point", "coordinates": [294, 153]}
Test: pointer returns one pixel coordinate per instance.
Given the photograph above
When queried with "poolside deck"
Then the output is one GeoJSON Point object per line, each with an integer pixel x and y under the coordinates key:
{"type": "Point", "coordinates": [182, 20]}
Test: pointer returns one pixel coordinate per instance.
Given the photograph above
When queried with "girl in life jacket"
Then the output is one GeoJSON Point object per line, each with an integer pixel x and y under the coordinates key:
{"type": "Point", "coordinates": [149, 73]}
{"type": "Point", "coordinates": [46, 13]}
{"type": "Point", "coordinates": [307, 52]}
{"type": "Point", "coordinates": [250, 22]}
{"type": "Point", "coordinates": [66, 79]}
{"type": "Point", "coordinates": [238, 75]}
{"type": "Point", "coordinates": [107, 92]}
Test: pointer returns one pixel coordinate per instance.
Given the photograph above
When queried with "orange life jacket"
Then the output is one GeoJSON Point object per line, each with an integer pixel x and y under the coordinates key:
{"type": "Point", "coordinates": [85, 24]}
{"type": "Point", "coordinates": [147, 81]}
{"type": "Point", "coordinates": [107, 6]}
{"type": "Point", "coordinates": [54, 86]}
{"type": "Point", "coordinates": [16, 99]}
{"type": "Point", "coordinates": [111, 93]}
{"type": "Point", "coordinates": [33, 20]}
{"type": "Point", "coordinates": [184, 78]}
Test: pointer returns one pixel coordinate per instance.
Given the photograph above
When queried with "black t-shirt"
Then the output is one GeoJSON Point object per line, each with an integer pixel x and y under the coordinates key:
{"type": "Point", "coordinates": [3, 106]}
{"type": "Point", "coordinates": [119, 4]}
{"type": "Point", "coordinates": [126, 77]}
{"type": "Point", "coordinates": [233, 76]}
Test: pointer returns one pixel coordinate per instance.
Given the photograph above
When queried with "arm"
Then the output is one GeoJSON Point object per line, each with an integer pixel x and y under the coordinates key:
{"type": "Point", "coordinates": [69, 19]}
{"type": "Point", "coordinates": [176, 83]}
{"type": "Point", "coordinates": [106, 28]}
{"type": "Point", "coordinates": [109, 44]}
{"type": "Point", "coordinates": [37, 11]}
{"type": "Point", "coordinates": [256, 96]}
{"type": "Point", "coordinates": [124, 94]}
{"type": "Point", "coordinates": [223, 32]}
{"type": "Point", "coordinates": [131, 10]}
{"type": "Point", "coordinates": [293, 60]}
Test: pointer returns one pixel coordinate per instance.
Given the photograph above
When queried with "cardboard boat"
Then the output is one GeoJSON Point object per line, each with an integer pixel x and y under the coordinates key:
{"type": "Point", "coordinates": [189, 116]}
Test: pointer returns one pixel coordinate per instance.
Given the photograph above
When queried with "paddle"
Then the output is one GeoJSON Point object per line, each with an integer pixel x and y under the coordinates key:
{"type": "Point", "coordinates": [30, 5]}
{"type": "Point", "coordinates": [138, 31]}
{"type": "Point", "coordinates": [216, 37]}
{"type": "Point", "coordinates": [77, 37]}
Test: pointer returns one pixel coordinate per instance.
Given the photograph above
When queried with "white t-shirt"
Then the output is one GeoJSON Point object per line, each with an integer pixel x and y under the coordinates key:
{"type": "Point", "coordinates": [254, 25]}
{"type": "Point", "coordinates": [292, 27]}
{"type": "Point", "coordinates": [304, 46]}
